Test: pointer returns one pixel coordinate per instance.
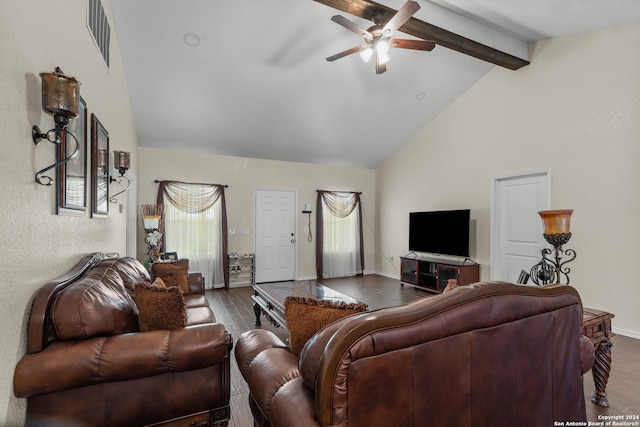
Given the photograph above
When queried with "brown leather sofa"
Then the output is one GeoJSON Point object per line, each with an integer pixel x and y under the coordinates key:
{"type": "Point", "coordinates": [87, 363]}
{"type": "Point", "coordinates": [489, 354]}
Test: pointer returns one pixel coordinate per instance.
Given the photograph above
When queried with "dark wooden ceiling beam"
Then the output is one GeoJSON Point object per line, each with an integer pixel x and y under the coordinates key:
{"type": "Point", "coordinates": [373, 11]}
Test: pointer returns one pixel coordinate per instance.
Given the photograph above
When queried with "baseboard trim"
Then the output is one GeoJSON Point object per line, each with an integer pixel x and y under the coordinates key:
{"type": "Point", "coordinates": [623, 332]}
{"type": "Point", "coordinates": [389, 275]}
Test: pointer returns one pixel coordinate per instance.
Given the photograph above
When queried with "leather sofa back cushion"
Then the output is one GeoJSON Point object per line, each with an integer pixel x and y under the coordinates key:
{"type": "Point", "coordinates": [160, 307]}
{"type": "Point", "coordinates": [97, 305]}
{"type": "Point", "coordinates": [130, 270]}
{"type": "Point", "coordinates": [173, 273]}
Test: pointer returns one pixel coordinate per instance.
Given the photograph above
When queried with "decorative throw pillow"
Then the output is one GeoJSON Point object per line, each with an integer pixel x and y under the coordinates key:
{"type": "Point", "coordinates": [160, 307]}
{"type": "Point", "coordinates": [173, 274]}
{"type": "Point", "coordinates": [306, 316]}
{"type": "Point", "coordinates": [160, 282]}
{"type": "Point", "coordinates": [451, 284]}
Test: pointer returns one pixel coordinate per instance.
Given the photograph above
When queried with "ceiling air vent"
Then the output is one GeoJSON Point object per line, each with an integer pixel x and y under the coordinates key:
{"type": "Point", "coordinates": [99, 28]}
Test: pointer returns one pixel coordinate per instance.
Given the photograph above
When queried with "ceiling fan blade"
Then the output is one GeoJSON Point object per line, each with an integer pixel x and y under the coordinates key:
{"type": "Point", "coordinates": [344, 53]}
{"type": "Point", "coordinates": [402, 16]}
{"type": "Point", "coordinates": [351, 26]}
{"type": "Point", "coordinates": [412, 44]}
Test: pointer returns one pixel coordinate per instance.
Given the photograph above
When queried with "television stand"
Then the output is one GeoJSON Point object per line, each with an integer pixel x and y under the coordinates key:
{"type": "Point", "coordinates": [432, 274]}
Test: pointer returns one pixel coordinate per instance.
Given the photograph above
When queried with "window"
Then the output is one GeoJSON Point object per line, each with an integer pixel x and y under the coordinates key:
{"type": "Point", "coordinates": [340, 244]}
{"type": "Point", "coordinates": [195, 220]}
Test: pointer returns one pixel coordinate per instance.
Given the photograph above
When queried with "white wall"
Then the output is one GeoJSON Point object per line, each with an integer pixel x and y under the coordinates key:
{"type": "Point", "coordinates": [38, 245]}
{"type": "Point", "coordinates": [244, 176]}
{"type": "Point", "coordinates": [576, 110]}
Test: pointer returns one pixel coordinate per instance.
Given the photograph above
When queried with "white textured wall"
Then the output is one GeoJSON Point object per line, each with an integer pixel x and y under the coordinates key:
{"type": "Point", "coordinates": [576, 110]}
{"type": "Point", "coordinates": [244, 176]}
{"type": "Point", "coordinates": [36, 244]}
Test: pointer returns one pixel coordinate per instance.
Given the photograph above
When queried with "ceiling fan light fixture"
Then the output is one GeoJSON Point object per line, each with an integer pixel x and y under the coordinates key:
{"type": "Point", "coordinates": [382, 46]}
{"type": "Point", "coordinates": [377, 39]}
{"type": "Point", "coordinates": [366, 54]}
{"type": "Point", "coordinates": [383, 58]}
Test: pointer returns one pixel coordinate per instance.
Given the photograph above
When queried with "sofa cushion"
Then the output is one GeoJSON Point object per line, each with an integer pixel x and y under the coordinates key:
{"type": "Point", "coordinates": [451, 285]}
{"type": "Point", "coordinates": [173, 273]}
{"type": "Point", "coordinates": [130, 270]}
{"type": "Point", "coordinates": [96, 305]}
{"type": "Point", "coordinates": [305, 316]}
{"type": "Point", "coordinates": [160, 307]}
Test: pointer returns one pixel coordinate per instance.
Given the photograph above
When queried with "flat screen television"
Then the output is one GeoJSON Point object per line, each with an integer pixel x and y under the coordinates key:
{"type": "Point", "coordinates": [440, 232]}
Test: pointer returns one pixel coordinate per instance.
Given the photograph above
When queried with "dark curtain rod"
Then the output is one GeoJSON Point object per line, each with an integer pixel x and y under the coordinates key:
{"type": "Point", "coordinates": [341, 191]}
{"type": "Point", "coordinates": [196, 183]}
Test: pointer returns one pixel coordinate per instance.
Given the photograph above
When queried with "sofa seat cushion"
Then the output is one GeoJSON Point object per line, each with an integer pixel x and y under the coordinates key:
{"type": "Point", "coordinates": [160, 307]}
{"type": "Point", "coordinates": [196, 300]}
{"type": "Point", "coordinates": [96, 305]}
{"type": "Point", "coordinates": [200, 315]}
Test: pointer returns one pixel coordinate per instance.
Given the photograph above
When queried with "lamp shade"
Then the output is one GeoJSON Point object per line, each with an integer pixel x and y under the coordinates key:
{"type": "Point", "coordinates": [556, 221]}
{"type": "Point", "coordinates": [122, 159]}
{"type": "Point", "coordinates": [151, 222]}
{"type": "Point", "coordinates": [60, 94]}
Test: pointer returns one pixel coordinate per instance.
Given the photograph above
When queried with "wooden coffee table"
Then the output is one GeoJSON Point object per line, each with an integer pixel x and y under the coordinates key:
{"type": "Point", "coordinates": [268, 298]}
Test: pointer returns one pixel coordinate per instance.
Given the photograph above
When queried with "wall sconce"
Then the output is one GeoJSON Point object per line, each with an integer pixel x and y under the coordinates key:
{"type": "Point", "coordinates": [122, 161]}
{"type": "Point", "coordinates": [557, 231]}
{"type": "Point", "coordinates": [60, 98]}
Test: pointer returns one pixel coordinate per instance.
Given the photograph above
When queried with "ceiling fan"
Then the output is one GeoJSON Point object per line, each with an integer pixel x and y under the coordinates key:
{"type": "Point", "coordinates": [377, 39]}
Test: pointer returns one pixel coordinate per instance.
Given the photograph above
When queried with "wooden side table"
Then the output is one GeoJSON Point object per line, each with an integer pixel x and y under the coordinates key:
{"type": "Point", "coordinates": [596, 325]}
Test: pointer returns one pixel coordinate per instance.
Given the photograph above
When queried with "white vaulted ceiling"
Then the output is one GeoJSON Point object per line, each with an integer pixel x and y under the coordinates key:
{"type": "Point", "coordinates": [249, 78]}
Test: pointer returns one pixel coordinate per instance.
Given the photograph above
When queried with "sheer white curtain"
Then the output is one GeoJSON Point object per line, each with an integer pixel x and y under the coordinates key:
{"type": "Point", "coordinates": [193, 223]}
{"type": "Point", "coordinates": [340, 257]}
{"type": "Point", "coordinates": [340, 234]}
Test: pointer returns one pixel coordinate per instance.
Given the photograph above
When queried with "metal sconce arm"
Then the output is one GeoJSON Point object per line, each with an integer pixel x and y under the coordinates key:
{"type": "Point", "coordinates": [113, 198]}
{"type": "Point", "coordinates": [37, 136]}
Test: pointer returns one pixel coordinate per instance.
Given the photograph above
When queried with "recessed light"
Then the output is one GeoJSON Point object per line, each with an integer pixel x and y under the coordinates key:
{"type": "Point", "coordinates": [191, 39]}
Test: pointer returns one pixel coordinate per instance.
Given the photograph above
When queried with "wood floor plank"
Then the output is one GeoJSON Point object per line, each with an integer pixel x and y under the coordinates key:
{"type": "Point", "coordinates": [234, 308]}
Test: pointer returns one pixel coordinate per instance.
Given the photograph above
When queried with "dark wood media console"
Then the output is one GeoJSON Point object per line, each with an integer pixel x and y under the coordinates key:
{"type": "Point", "coordinates": [433, 275]}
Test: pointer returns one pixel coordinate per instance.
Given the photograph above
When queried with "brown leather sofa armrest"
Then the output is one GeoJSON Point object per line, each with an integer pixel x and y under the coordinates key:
{"type": "Point", "coordinates": [587, 354]}
{"type": "Point", "coordinates": [312, 352]}
{"type": "Point", "coordinates": [69, 364]}
{"type": "Point", "coordinates": [292, 405]}
{"type": "Point", "coordinates": [268, 366]}
{"type": "Point", "coordinates": [196, 282]}
{"type": "Point", "coordinates": [251, 344]}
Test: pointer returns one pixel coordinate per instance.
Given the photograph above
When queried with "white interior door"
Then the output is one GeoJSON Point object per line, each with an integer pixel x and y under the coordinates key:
{"type": "Point", "coordinates": [516, 228]}
{"type": "Point", "coordinates": [275, 235]}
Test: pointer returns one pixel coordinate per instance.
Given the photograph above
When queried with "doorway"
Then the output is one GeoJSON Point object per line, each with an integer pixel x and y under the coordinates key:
{"type": "Point", "coordinates": [275, 239]}
{"type": "Point", "coordinates": [516, 228]}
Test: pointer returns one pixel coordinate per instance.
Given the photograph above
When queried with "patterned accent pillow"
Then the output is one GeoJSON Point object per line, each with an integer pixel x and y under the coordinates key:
{"type": "Point", "coordinates": [173, 273]}
{"type": "Point", "coordinates": [306, 316]}
{"type": "Point", "coordinates": [160, 307]}
{"type": "Point", "coordinates": [451, 285]}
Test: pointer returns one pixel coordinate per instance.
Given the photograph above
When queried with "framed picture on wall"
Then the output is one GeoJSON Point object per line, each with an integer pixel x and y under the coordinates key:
{"type": "Point", "coordinates": [99, 168]}
{"type": "Point", "coordinates": [71, 194]}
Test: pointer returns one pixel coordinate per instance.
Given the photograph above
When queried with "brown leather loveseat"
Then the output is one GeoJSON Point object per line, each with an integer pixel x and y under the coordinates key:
{"type": "Point", "coordinates": [88, 364]}
{"type": "Point", "coordinates": [490, 354]}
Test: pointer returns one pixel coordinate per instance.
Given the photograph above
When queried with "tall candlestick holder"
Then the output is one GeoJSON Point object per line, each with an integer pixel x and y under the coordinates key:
{"type": "Point", "coordinates": [552, 267]}
{"type": "Point", "coordinates": [152, 219]}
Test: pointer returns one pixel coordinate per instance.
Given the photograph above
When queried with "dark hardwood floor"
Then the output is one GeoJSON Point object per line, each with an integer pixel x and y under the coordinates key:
{"type": "Point", "coordinates": [234, 308]}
